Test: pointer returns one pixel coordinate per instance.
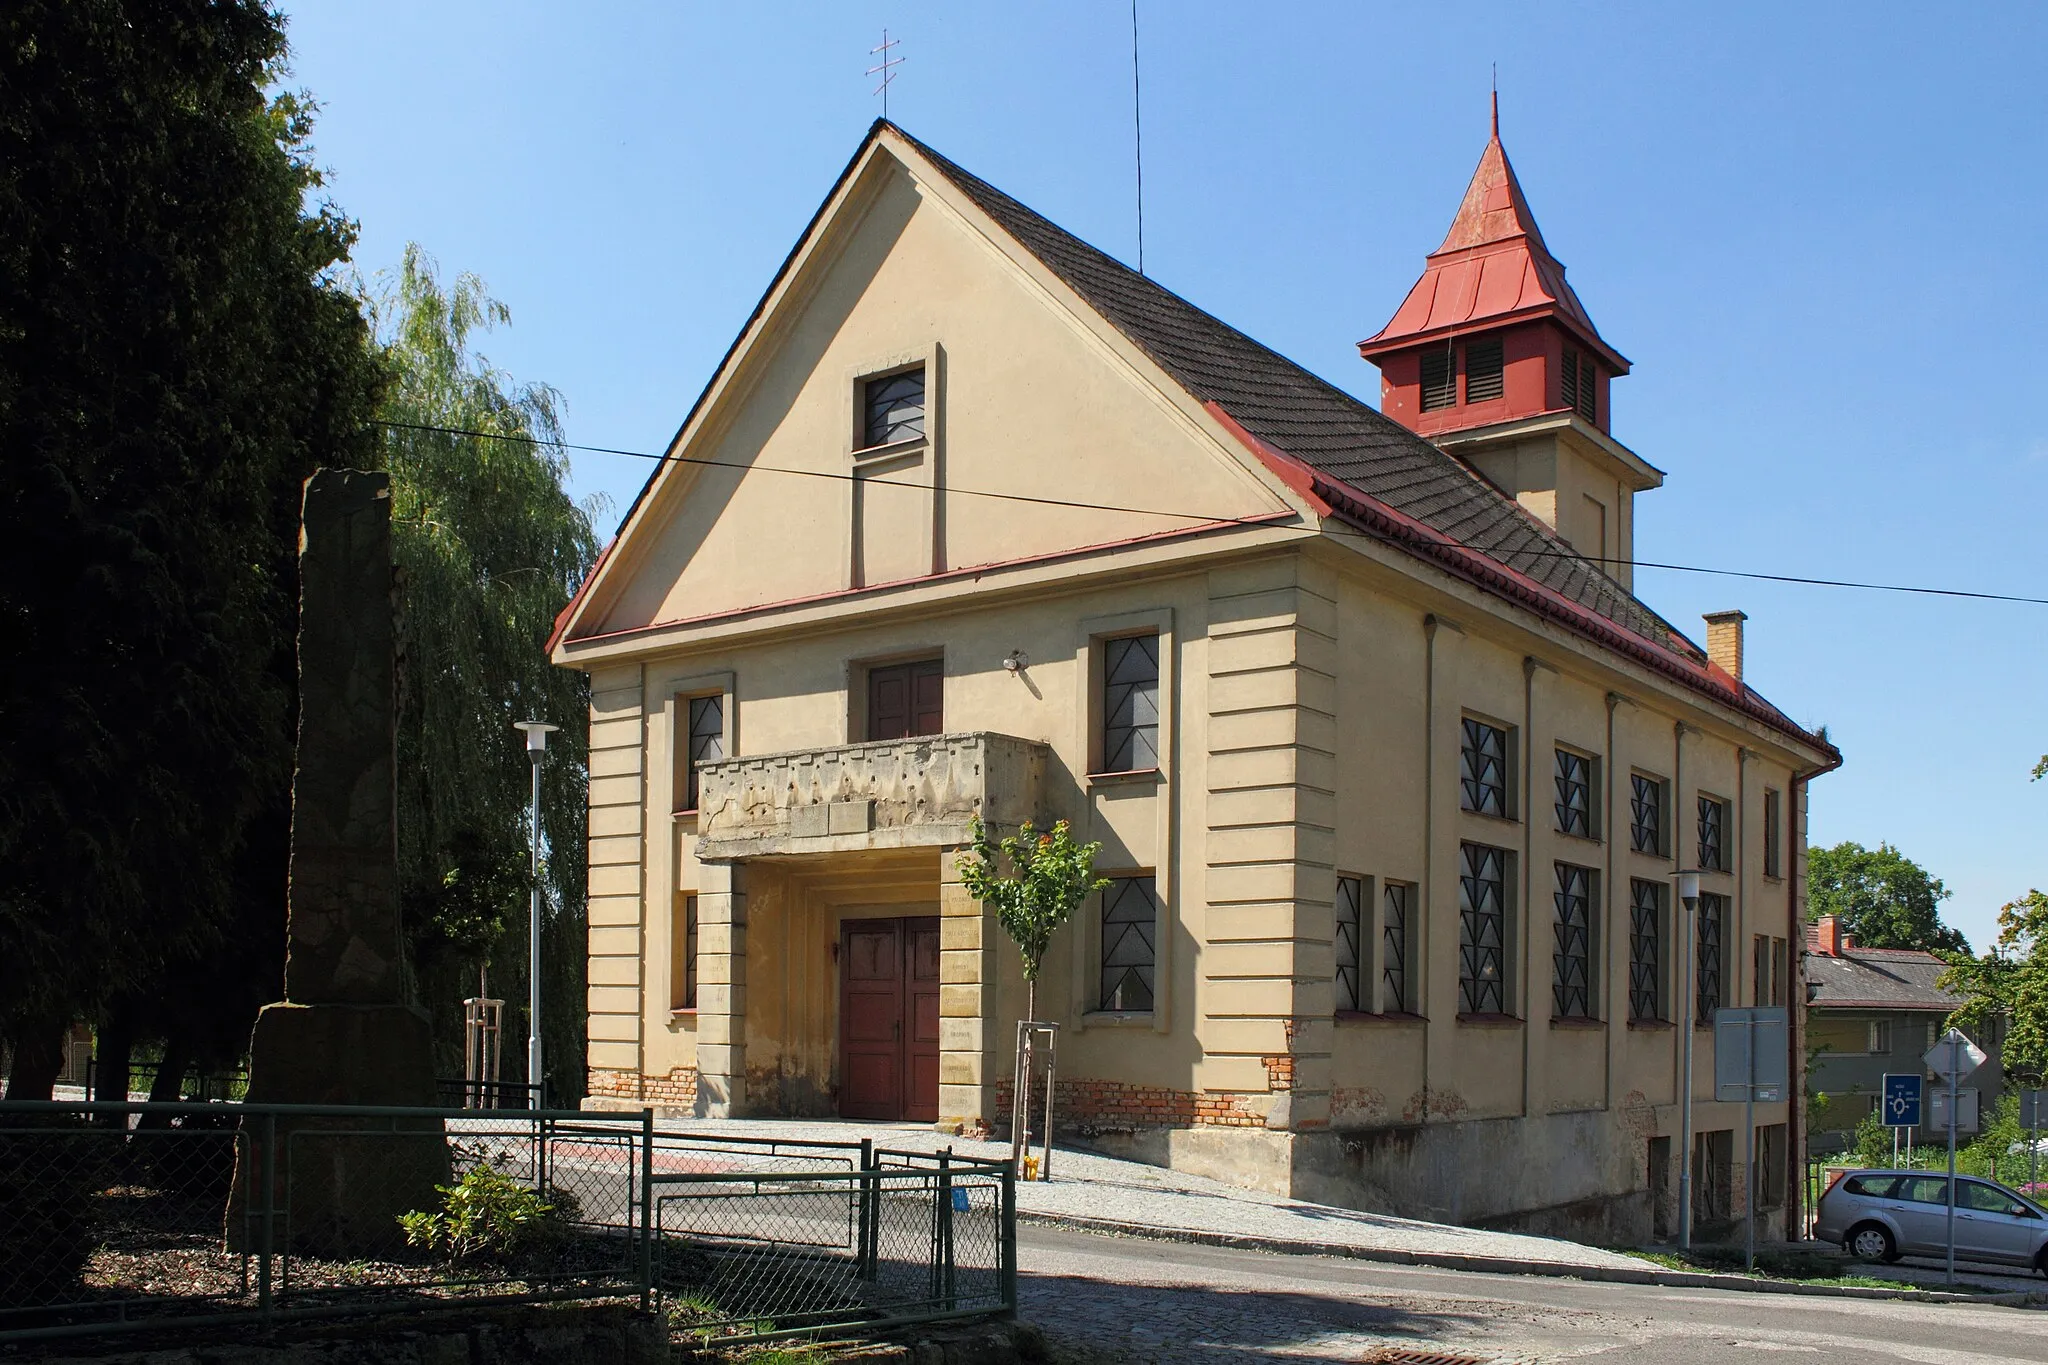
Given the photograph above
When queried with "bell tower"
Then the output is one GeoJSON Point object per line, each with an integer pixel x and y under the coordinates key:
{"type": "Point", "coordinates": [1492, 357]}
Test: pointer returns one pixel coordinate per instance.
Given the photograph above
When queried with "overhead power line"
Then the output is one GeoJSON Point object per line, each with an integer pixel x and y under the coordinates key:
{"type": "Point", "coordinates": [1209, 519]}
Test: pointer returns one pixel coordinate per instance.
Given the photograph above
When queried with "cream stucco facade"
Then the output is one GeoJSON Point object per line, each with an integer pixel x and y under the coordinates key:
{"type": "Point", "coordinates": [1312, 684]}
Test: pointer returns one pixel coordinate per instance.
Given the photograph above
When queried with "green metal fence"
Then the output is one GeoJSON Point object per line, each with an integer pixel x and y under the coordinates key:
{"type": "Point", "coordinates": [117, 1217]}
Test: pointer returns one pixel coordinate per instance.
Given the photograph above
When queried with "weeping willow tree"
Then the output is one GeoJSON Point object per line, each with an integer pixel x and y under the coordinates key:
{"type": "Point", "coordinates": [490, 548]}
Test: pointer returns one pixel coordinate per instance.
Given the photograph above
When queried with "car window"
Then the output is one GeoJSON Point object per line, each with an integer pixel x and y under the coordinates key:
{"type": "Point", "coordinates": [1871, 1186]}
{"type": "Point", "coordinates": [1923, 1189]}
{"type": "Point", "coordinates": [1984, 1199]}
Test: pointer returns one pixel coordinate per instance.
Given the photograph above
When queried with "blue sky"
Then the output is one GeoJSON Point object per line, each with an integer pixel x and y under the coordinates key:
{"type": "Point", "coordinates": [1815, 229]}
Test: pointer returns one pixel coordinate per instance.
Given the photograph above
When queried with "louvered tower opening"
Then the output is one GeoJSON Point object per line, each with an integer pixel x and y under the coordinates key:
{"type": "Point", "coordinates": [1485, 370]}
{"type": "Point", "coordinates": [1439, 380]}
{"type": "Point", "coordinates": [1575, 384]}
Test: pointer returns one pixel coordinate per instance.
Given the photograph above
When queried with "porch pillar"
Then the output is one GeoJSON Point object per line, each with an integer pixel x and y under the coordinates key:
{"type": "Point", "coordinates": [721, 991]}
{"type": "Point", "coordinates": [968, 937]}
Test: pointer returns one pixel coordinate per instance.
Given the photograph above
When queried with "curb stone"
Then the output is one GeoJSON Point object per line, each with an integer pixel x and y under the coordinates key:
{"type": "Point", "coordinates": [1509, 1265]}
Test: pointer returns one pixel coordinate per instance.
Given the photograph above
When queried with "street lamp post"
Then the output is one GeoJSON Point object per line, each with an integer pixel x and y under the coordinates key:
{"type": "Point", "coordinates": [1689, 897]}
{"type": "Point", "coordinates": [537, 732]}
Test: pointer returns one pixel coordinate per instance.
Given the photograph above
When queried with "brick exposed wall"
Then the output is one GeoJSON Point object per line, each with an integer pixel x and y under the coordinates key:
{"type": "Point", "coordinates": [1118, 1104]}
{"type": "Point", "coordinates": [678, 1088]}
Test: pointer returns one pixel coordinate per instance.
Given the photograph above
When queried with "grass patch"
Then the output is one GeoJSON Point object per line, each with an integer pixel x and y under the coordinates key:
{"type": "Point", "coordinates": [1797, 1267]}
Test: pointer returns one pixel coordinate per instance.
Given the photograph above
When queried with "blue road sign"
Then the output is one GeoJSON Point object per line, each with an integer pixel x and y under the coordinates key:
{"type": "Point", "coordinates": [1902, 1101]}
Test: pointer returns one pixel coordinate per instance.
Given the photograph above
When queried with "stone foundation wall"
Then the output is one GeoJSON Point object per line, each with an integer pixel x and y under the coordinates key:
{"type": "Point", "coordinates": [677, 1090]}
{"type": "Point", "coordinates": [1085, 1106]}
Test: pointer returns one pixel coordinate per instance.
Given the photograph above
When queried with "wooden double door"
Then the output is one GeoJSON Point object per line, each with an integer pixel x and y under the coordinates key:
{"type": "Point", "coordinates": [889, 1018]}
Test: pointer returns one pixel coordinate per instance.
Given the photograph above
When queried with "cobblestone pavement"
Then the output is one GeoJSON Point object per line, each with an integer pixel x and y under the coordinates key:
{"type": "Point", "coordinates": [1090, 1186]}
{"type": "Point", "coordinates": [1105, 1299]}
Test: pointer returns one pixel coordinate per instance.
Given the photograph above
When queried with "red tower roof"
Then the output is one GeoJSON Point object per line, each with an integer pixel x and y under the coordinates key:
{"type": "Point", "coordinates": [1492, 268]}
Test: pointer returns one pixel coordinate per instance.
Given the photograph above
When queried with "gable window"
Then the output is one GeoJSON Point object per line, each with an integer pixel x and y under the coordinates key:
{"type": "Point", "coordinates": [892, 408]}
{"type": "Point", "coordinates": [1571, 977]}
{"type": "Point", "coordinates": [1713, 835]}
{"type": "Point", "coordinates": [1773, 818]}
{"type": "Point", "coordinates": [1708, 924]}
{"type": "Point", "coordinates": [1646, 814]}
{"type": "Point", "coordinates": [703, 742]}
{"type": "Point", "coordinates": [1130, 916]}
{"type": "Point", "coordinates": [1350, 911]}
{"type": "Point", "coordinates": [683, 956]}
{"type": "Point", "coordinates": [1394, 996]}
{"type": "Point", "coordinates": [1483, 769]}
{"type": "Point", "coordinates": [1645, 950]}
{"type": "Point", "coordinates": [1574, 805]}
{"type": "Point", "coordinates": [1130, 704]}
{"type": "Point", "coordinates": [906, 699]}
{"type": "Point", "coordinates": [1482, 929]}
{"type": "Point", "coordinates": [1485, 370]}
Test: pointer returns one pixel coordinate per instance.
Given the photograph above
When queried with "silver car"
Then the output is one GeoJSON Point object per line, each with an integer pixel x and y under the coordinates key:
{"type": "Point", "coordinates": [1883, 1215]}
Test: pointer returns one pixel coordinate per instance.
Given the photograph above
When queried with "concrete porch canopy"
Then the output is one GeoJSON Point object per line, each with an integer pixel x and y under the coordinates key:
{"type": "Point", "coordinates": [802, 835]}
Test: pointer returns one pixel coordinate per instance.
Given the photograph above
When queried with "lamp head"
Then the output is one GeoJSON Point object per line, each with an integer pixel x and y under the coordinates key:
{"type": "Point", "coordinates": [1688, 886]}
{"type": "Point", "coordinates": [537, 732]}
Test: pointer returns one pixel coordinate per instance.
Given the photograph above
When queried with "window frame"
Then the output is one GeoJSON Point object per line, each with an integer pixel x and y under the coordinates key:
{"type": "Point", "coordinates": [685, 931]}
{"type": "Point", "coordinates": [1660, 789]}
{"type": "Point", "coordinates": [862, 447]}
{"type": "Point", "coordinates": [1585, 993]}
{"type": "Point", "coordinates": [1474, 995]}
{"type": "Point", "coordinates": [1774, 842]}
{"type": "Point", "coordinates": [1101, 752]}
{"type": "Point", "coordinates": [1470, 773]}
{"type": "Point", "coordinates": [1397, 998]}
{"type": "Point", "coordinates": [1656, 916]}
{"type": "Point", "coordinates": [1590, 781]}
{"type": "Point", "coordinates": [679, 693]}
{"type": "Point", "coordinates": [1444, 395]}
{"type": "Point", "coordinates": [1353, 896]}
{"type": "Point", "coordinates": [1092, 635]}
{"type": "Point", "coordinates": [1107, 899]}
{"type": "Point", "coordinates": [1721, 822]}
{"type": "Point", "coordinates": [1705, 967]}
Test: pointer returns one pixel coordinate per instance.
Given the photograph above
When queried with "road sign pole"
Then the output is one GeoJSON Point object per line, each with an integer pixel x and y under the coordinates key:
{"type": "Point", "coordinates": [1954, 1074]}
{"type": "Point", "coordinates": [1749, 1159]}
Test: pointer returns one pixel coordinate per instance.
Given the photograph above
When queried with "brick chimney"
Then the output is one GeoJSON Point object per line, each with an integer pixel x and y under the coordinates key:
{"type": "Point", "coordinates": [1724, 640]}
{"type": "Point", "coordinates": [1833, 940]}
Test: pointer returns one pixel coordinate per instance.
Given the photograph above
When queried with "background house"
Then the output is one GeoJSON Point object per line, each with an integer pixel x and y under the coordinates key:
{"type": "Point", "coordinates": [1873, 1012]}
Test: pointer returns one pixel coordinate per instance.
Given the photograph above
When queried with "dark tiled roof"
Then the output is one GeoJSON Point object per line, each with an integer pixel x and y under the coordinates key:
{"type": "Point", "coordinates": [1879, 978]}
{"type": "Point", "coordinates": [1313, 420]}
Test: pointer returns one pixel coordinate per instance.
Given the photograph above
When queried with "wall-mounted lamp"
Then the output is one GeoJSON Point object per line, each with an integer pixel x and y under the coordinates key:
{"type": "Point", "coordinates": [1016, 661]}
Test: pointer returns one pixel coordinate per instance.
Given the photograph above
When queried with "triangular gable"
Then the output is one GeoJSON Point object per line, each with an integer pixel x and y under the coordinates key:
{"type": "Point", "coordinates": [1035, 400]}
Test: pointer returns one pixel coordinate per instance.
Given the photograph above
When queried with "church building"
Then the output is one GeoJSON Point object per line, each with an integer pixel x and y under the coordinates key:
{"type": "Point", "coordinates": [1391, 769]}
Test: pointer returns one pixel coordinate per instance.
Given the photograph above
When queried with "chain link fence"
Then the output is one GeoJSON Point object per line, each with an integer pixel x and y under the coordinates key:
{"type": "Point", "coordinates": [757, 1253]}
{"type": "Point", "coordinates": [124, 1216]}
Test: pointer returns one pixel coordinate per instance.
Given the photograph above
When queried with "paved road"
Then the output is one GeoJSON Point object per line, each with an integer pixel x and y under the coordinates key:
{"type": "Point", "coordinates": [1109, 1299]}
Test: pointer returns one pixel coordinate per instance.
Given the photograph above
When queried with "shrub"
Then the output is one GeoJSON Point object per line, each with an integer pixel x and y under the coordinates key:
{"type": "Point", "coordinates": [487, 1216]}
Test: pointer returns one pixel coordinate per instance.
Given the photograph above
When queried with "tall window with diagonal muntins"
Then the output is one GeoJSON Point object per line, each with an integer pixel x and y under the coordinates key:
{"type": "Point", "coordinates": [1394, 902]}
{"type": "Point", "coordinates": [893, 408]}
{"type": "Point", "coordinates": [1483, 769]}
{"type": "Point", "coordinates": [1645, 814]}
{"type": "Point", "coordinates": [1482, 929]}
{"type": "Point", "coordinates": [1349, 909]}
{"type": "Point", "coordinates": [1708, 928]}
{"type": "Point", "coordinates": [1130, 916]}
{"type": "Point", "coordinates": [1130, 704]}
{"type": "Point", "coordinates": [705, 743]}
{"type": "Point", "coordinates": [1574, 803]}
{"type": "Point", "coordinates": [1645, 950]}
{"type": "Point", "coordinates": [1713, 834]}
{"type": "Point", "coordinates": [1571, 978]}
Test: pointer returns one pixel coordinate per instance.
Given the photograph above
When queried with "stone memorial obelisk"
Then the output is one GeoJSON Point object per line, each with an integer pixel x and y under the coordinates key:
{"type": "Point", "coordinates": [344, 1034]}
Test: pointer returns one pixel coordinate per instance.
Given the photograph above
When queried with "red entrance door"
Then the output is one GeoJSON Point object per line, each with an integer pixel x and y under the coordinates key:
{"type": "Point", "coordinates": [889, 1019]}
